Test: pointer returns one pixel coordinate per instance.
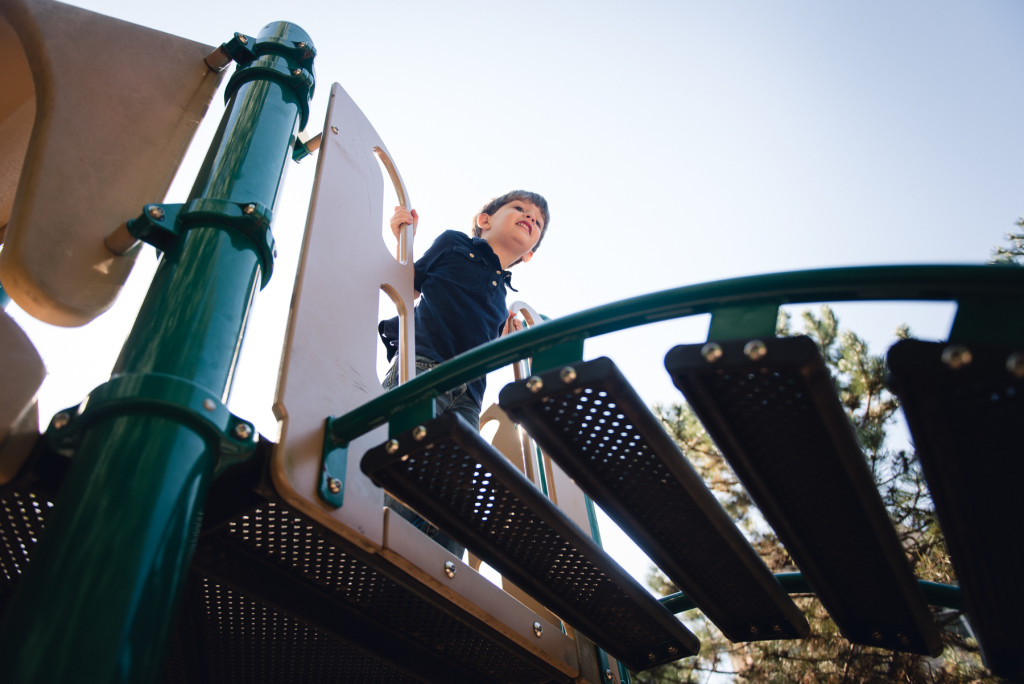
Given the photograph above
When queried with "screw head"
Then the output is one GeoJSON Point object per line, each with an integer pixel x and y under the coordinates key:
{"type": "Point", "coordinates": [334, 485]}
{"type": "Point", "coordinates": [296, 72]}
{"type": "Point", "coordinates": [672, 650]}
{"type": "Point", "coordinates": [876, 635]}
{"type": "Point", "coordinates": [248, 209]}
{"type": "Point", "coordinates": [534, 384]}
{"type": "Point", "coordinates": [300, 45]}
{"type": "Point", "coordinates": [608, 674]}
{"type": "Point", "coordinates": [419, 432]}
{"type": "Point", "coordinates": [568, 375]}
{"type": "Point", "coordinates": [755, 350]}
{"type": "Point", "coordinates": [334, 129]}
{"type": "Point", "coordinates": [754, 629]}
{"type": "Point", "coordinates": [1015, 364]}
{"type": "Point", "coordinates": [243, 40]}
{"type": "Point", "coordinates": [712, 351]}
{"type": "Point", "coordinates": [61, 420]}
{"type": "Point", "coordinates": [538, 629]}
{"type": "Point", "coordinates": [956, 356]}
{"type": "Point", "coordinates": [156, 213]}
{"type": "Point", "coordinates": [651, 657]}
{"type": "Point", "coordinates": [209, 404]}
{"type": "Point", "coordinates": [450, 569]}
{"type": "Point", "coordinates": [243, 431]}
{"type": "Point", "coordinates": [392, 446]}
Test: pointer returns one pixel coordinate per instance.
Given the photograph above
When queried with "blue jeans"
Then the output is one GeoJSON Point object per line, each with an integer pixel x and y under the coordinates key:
{"type": "Point", "coordinates": [453, 401]}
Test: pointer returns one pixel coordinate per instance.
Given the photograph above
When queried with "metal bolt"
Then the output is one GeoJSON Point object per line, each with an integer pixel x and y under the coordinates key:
{"type": "Point", "coordinates": [296, 72]}
{"type": "Point", "coordinates": [754, 629]}
{"type": "Point", "coordinates": [672, 650]}
{"type": "Point", "coordinates": [243, 431]}
{"type": "Point", "coordinates": [392, 446]}
{"type": "Point", "coordinates": [568, 375]}
{"type": "Point", "coordinates": [419, 432]}
{"type": "Point", "coordinates": [334, 484]}
{"type": "Point", "coordinates": [450, 569]}
{"type": "Point", "coordinates": [904, 639]}
{"type": "Point", "coordinates": [301, 45]}
{"type": "Point", "coordinates": [608, 674]}
{"type": "Point", "coordinates": [334, 129]}
{"type": "Point", "coordinates": [209, 404]}
{"type": "Point", "coordinates": [777, 629]}
{"type": "Point", "coordinates": [156, 213]}
{"type": "Point", "coordinates": [534, 384]}
{"type": "Point", "coordinates": [957, 356]}
{"type": "Point", "coordinates": [877, 636]}
{"type": "Point", "coordinates": [538, 629]}
{"type": "Point", "coordinates": [712, 351]}
{"type": "Point", "coordinates": [755, 350]}
{"type": "Point", "coordinates": [1015, 364]}
{"type": "Point", "coordinates": [243, 40]}
{"type": "Point", "coordinates": [651, 656]}
{"type": "Point", "coordinates": [61, 420]}
{"type": "Point", "coordinates": [248, 209]}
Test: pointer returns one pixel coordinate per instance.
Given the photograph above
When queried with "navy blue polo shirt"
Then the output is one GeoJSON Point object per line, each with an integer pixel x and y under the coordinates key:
{"type": "Point", "coordinates": [462, 301]}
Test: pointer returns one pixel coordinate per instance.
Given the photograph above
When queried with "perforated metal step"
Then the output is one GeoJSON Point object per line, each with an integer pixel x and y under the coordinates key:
{"type": "Point", "coordinates": [771, 407]}
{"type": "Point", "coordinates": [965, 409]}
{"type": "Point", "coordinates": [274, 598]}
{"type": "Point", "coordinates": [453, 477]}
{"type": "Point", "coordinates": [593, 423]}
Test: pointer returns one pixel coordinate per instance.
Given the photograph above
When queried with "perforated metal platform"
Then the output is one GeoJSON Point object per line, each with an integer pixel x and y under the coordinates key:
{"type": "Point", "coordinates": [772, 409]}
{"type": "Point", "coordinates": [448, 473]}
{"type": "Point", "coordinates": [274, 598]}
{"type": "Point", "coordinates": [965, 409]}
{"type": "Point", "coordinates": [590, 420]}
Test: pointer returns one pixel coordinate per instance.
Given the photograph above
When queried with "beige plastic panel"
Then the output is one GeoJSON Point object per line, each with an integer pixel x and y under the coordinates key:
{"type": "Point", "coordinates": [114, 106]}
{"type": "Point", "coordinates": [329, 368]}
{"type": "Point", "coordinates": [21, 375]}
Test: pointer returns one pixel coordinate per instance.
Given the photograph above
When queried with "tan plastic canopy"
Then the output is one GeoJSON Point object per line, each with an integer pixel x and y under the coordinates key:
{"type": "Point", "coordinates": [95, 117]}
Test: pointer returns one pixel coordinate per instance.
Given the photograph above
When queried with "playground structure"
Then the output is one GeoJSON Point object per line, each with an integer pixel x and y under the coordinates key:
{"type": "Point", "coordinates": [149, 533]}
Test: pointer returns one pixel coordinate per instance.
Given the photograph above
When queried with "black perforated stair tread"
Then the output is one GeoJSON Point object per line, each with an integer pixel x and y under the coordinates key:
{"type": "Point", "coordinates": [453, 477]}
{"type": "Point", "coordinates": [590, 420]}
{"type": "Point", "coordinates": [965, 414]}
{"type": "Point", "coordinates": [771, 407]}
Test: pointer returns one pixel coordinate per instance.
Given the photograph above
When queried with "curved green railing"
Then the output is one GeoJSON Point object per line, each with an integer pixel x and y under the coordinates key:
{"type": "Point", "coordinates": [746, 306]}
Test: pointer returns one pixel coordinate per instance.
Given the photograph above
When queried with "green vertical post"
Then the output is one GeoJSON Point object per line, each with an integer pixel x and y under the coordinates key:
{"type": "Point", "coordinates": [98, 600]}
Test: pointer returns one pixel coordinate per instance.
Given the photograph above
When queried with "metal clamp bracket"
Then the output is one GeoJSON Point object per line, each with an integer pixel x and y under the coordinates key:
{"type": "Point", "coordinates": [155, 394]}
{"type": "Point", "coordinates": [162, 225]}
{"type": "Point", "coordinates": [287, 62]}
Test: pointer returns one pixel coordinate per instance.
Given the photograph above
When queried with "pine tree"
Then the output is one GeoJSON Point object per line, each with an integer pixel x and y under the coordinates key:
{"type": "Point", "coordinates": [826, 656]}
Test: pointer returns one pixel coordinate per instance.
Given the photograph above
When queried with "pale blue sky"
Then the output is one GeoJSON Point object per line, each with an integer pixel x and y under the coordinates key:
{"type": "Point", "coordinates": [677, 142]}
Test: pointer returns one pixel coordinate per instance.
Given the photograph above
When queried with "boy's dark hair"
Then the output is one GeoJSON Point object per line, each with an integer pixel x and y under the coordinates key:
{"type": "Point", "coordinates": [523, 196]}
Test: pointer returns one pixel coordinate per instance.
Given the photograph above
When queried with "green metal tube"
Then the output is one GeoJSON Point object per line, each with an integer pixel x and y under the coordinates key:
{"type": "Point", "coordinates": [99, 598]}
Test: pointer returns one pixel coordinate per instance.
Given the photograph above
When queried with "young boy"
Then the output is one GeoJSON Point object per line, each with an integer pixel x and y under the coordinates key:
{"type": "Point", "coordinates": [461, 283]}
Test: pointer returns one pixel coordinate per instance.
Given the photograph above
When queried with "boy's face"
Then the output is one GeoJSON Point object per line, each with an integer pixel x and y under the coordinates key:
{"type": "Point", "coordinates": [513, 230]}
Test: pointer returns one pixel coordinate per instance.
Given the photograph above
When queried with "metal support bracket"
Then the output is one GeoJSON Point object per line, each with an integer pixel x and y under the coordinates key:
{"type": "Point", "coordinates": [287, 62]}
{"type": "Point", "coordinates": [162, 225]}
{"type": "Point", "coordinates": [159, 395]}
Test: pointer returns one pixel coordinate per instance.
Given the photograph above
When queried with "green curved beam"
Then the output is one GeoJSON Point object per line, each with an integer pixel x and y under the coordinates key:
{"type": "Point", "coordinates": [984, 287]}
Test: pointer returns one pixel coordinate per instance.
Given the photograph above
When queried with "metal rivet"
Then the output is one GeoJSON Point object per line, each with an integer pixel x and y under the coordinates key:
{"type": "Point", "coordinates": [450, 569]}
{"type": "Point", "coordinates": [538, 628]}
{"type": "Point", "coordinates": [392, 446]}
{"type": "Point", "coordinates": [957, 356]}
{"type": "Point", "coordinates": [248, 209]}
{"type": "Point", "coordinates": [608, 674]}
{"type": "Point", "coordinates": [712, 351]}
{"type": "Point", "coordinates": [777, 629]}
{"type": "Point", "coordinates": [672, 650]}
{"type": "Point", "coordinates": [568, 374]}
{"type": "Point", "coordinates": [296, 72]}
{"type": "Point", "coordinates": [243, 431]}
{"type": "Point", "coordinates": [156, 213]}
{"type": "Point", "coordinates": [534, 384]}
{"type": "Point", "coordinates": [334, 129]}
{"type": "Point", "coordinates": [651, 657]}
{"type": "Point", "coordinates": [61, 420]}
{"type": "Point", "coordinates": [754, 629]}
{"type": "Point", "coordinates": [334, 484]}
{"type": "Point", "coordinates": [209, 404]}
{"type": "Point", "coordinates": [1015, 364]}
{"type": "Point", "coordinates": [243, 40]}
{"type": "Point", "coordinates": [301, 45]}
{"type": "Point", "coordinates": [755, 350]}
{"type": "Point", "coordinates": [419, 432]}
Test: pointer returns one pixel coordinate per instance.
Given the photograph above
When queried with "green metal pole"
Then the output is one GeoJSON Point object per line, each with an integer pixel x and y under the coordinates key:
{"type": "Point", "coordinates": [99, 598]}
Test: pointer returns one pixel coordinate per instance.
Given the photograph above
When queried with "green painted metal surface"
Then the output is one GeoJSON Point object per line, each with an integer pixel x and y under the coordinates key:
{"type": "Point", "coordinates": [736, 300]}
{"type": "Point", "coordinates": [98, 600]}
